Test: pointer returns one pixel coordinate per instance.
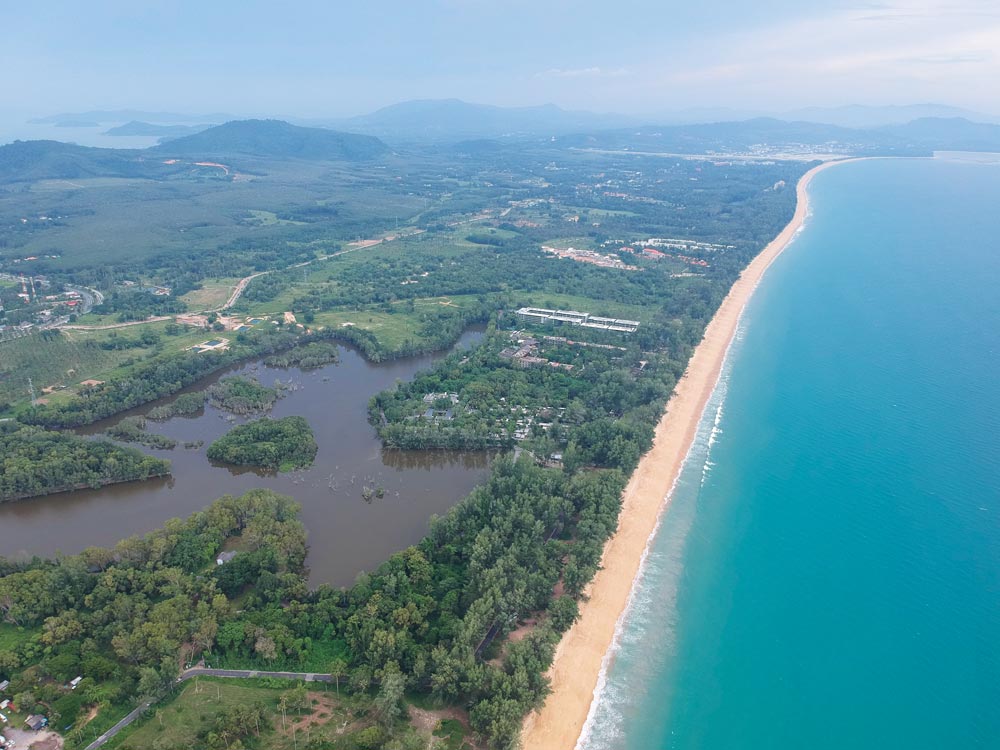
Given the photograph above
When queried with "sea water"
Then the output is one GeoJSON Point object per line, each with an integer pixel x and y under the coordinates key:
{"type": "Point", "coordinates": [828, 572]}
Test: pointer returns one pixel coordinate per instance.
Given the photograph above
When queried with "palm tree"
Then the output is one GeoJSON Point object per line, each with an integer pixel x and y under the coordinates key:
{"type": "Point", "coordinates": [338, 669]}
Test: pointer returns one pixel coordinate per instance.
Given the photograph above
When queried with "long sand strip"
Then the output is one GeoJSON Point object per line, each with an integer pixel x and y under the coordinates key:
{"type": "Point", "coordinates": [580, 655]}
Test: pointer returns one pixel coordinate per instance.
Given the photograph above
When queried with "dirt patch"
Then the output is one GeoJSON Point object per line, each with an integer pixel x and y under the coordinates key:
{"type": "Point", "coordinates": [426, 721]}
{"type": "Point", "coordinates": [91, 715]}
{"type": "Point", "coordinates": [44, 740]}
{"type": "Point", "coordinates": [320, 712]}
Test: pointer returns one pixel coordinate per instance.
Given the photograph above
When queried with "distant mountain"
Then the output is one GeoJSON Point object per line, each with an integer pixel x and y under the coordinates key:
{"type": "Point", "coordinates": [275, 138]}
{"type": "Point", "coordinates": [100, 116]}
{"type": "Point", "coordinates": [135, 127]}
{"type": "Point", "coordinates": [862, 116]}
{"type": "Point", "coordinates": [948, 134]}
{"type": "Point", "coordinates": [453, 119]}
{"type": "Point", "coordinates": [743, 137]}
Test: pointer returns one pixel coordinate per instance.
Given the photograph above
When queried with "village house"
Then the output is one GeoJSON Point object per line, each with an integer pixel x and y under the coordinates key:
{"type": "Point", "coordinates": [225, 557]}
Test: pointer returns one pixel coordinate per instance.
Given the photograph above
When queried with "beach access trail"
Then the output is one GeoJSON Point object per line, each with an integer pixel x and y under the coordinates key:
{"type": "Point", "coordinates": [584, 650]}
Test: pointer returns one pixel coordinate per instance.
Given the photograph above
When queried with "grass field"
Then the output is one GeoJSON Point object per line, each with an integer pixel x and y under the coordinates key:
{"type": "Point", "coordinates": [213, 294]}
{"type": "Point", "coordinates": [391, 330]}
{"type": "Point", "coordinates": [193, 711]}
{"type": "Point", "coordinates": [12, 636]}
{"type": "Point", "coordinates": [75, 356]}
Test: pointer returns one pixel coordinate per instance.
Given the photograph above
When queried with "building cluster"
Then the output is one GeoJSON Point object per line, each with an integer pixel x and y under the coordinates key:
{"type": "Point", "coordinates": [654, 254]}
{"type": "Point", "coordinates": [525, 354]}
{"type": "Point", "coordinates": [575, 318]}
{"type": "Point", "coordinates": [589, 256]}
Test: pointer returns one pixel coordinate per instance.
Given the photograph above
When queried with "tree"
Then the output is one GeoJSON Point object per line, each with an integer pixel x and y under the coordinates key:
{"type": "Point", "coordinates": [388, 701]}
{"type": "Point", "coordinates": [338, 668]}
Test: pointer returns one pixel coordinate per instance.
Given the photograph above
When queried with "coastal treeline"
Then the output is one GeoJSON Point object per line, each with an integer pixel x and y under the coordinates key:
{"type": "Point", "coordinates": [277, 444]}
{"type": "Point", "coordinates": [34, 462]}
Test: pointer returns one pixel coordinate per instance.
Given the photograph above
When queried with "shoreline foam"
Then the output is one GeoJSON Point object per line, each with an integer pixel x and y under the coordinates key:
{"type": "Point", "coordinates": [583, 655]}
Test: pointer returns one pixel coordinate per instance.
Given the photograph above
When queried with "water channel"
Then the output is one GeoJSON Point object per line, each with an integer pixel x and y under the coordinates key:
{"type": "Point", "coordinates": [347, 535]}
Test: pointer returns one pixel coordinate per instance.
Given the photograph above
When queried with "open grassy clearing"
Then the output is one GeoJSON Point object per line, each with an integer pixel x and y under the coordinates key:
{"type": "Point", "coordinates": [74, 356]}
{"type": "Point", "coordinates": [391, 329]}
{"type": "Point", "coordinates": [12, 636]}
{"type": "Point", "coordinates": [213, 293]}
{"type": "Point", "coordinates": [267, 218]}
{"type": "Point", "coordinates": [329, 719]}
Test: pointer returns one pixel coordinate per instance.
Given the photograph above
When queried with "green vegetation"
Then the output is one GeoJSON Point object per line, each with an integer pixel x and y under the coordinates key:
{"type": "Point", "coordinates": [241, 395]}
{"type": "Point", "coordinates": [39, 462]}
{"type": "Point", "coordinates": [278, 444]}
{"type": "Point", "coordinates": [184, 405]}
{"type": "Point", "coordinates": [259, 713]}
{"type": "Point", "coordinates": [154, 378]}
{"type": "Point", "coordinates": [461, 231]}
{"type": "Point", "coordinates": [307, 356]}
{"type": "Point", "coordinates": [133, 430]}
{"type": "Point", "coordinates": [592, 399]}
{"type": "Point", "coordinates": [123, 617]}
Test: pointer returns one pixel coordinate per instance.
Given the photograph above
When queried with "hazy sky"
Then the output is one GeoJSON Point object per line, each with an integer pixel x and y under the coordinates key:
{"type": "Point", "coordinates": [328, 58]}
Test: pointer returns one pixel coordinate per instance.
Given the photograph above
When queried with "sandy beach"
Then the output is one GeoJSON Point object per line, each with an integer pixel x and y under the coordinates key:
{"type": "Point", "coordinates": [580, 655]}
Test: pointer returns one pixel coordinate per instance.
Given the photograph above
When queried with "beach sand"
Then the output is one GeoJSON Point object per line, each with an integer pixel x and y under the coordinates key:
{"type": "Point", "coordinates": [580, 655]}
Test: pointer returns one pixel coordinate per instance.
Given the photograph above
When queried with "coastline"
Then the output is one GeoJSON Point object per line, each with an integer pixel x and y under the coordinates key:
{"type": "Point", "coordinates": [581, 655]}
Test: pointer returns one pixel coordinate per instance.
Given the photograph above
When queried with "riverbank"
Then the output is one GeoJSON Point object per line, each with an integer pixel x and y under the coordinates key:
{"type": "Point", "coordinates": [581, 654]}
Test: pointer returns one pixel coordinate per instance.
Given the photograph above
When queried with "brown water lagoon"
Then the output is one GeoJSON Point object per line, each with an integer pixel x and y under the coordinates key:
{"type": "Point", "coordinates": [347, 534]}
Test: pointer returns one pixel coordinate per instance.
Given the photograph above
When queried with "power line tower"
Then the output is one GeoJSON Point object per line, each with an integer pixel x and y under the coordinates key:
{"type": "Point", "coordinates": [31, 389]}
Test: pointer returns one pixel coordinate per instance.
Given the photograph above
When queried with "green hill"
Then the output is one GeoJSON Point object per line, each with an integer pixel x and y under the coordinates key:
{"type": "Point", "coordinates": [26, 161]}
{"type": "Point", "coordinates": [275, 138]}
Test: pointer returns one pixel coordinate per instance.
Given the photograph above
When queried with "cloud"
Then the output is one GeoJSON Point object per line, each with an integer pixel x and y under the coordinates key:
{"type": "Point", "coordinates": [906, 50]}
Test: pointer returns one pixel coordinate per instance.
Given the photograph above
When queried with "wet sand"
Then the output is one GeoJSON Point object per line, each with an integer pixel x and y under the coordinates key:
{"type": "Point", "coordinates": [580, 656]}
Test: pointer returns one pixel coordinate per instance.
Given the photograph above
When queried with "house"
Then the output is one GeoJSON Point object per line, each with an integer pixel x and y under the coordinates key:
{"type": "Point", "coordinates": [4, 685]}
{"type": "Point", "coordinates": [225, 557]}
{"type": "Point", "coordinates": [36, 722]}
{"type": "Point", "coordinates": [74, 682]}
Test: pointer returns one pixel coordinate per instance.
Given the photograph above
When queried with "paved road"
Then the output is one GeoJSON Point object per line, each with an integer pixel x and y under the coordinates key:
{"type": "Point", "coordinates": [244, 674]}
{"type": "Point", "coordinates": [236, 674]}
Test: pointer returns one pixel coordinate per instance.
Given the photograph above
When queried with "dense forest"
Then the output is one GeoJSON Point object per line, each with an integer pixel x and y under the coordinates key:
{"type": "Point", "coordinates": [123, 618]}
{"type": "Point", "coordinates": [133, 430]}
{"type": "Point", "coordinates": [277, 444]}
{"type": "Point", "coordinates": [40, 462]}
{"type": "Point", "coordinates": [433, 618]}
{"type": "Point", "coordinates": [184, 405]}
{"type": "Point", "coordinates": [242, 395]}
{"type": "Point", "coordinates": [305, 357]}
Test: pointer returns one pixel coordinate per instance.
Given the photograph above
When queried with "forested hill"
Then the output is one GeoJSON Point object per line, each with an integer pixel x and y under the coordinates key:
{"type": "Point", "coordinates": [27, 161]}
{"type": "Point", "coordinates": [275, 138]}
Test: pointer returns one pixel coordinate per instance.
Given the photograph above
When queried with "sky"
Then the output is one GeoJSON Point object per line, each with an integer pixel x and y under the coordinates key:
{"type": "Point", "coordinates": [322, 58]}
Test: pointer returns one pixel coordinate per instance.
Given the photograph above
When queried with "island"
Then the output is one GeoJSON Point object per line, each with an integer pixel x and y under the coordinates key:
{"type": "Point", "coordinates": [277, 444]}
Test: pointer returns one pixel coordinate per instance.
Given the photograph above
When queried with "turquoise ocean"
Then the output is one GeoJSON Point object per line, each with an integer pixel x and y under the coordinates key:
{"type": "Point", "coordinates": [827, 575]}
